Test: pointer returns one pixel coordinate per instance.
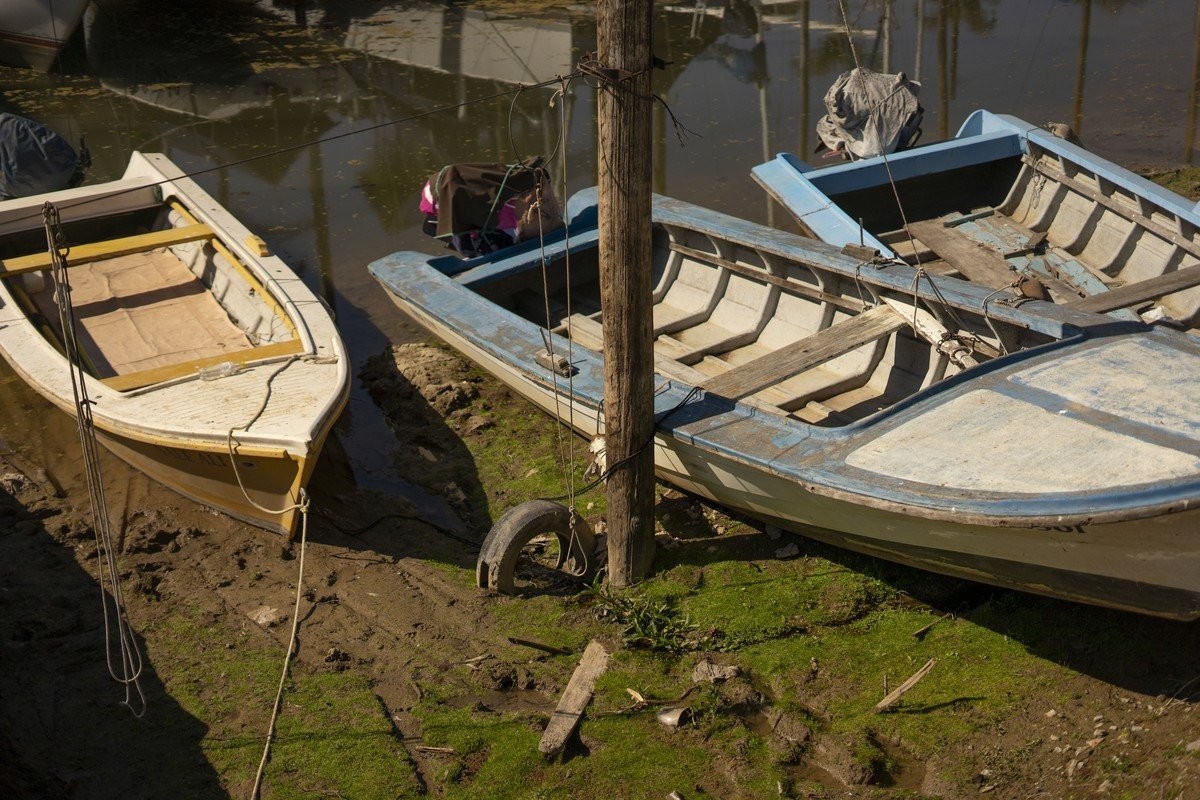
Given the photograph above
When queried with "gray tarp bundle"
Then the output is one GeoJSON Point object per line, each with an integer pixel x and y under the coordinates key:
{"type": "Point", "coordinates": [870, 113]}
{"type": "Point", "coordinates": [34, 159]}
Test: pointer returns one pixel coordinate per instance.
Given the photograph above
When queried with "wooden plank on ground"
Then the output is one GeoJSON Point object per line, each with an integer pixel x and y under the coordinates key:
{"type": "Point", "coordinates": [806, 353]}
{"type": "Point", "coordinates": [112, 248]}
{"type": "Point", "coordinates": [574, 700]}
{"type": "Point", "coordinates": [974, 260]}
{"type": "Point", "coordinates": [1140, 291]}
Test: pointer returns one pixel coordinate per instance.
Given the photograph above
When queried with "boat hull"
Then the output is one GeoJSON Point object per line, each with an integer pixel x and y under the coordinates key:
{"type": "Point", "coordinates": [1015, 208]}
{"type": "Point", "coordinates": [1063, 461]}
{"type": "Point", "coordinates": [33, 32]}
{"type": "Point", "coordinates": [1149, 566]}
{"type": "Point", "coordinates": [226, 394]}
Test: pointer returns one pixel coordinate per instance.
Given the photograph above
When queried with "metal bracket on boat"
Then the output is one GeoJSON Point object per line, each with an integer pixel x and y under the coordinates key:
{"type": "Point", "coordinates": [518, 527]}
{"type": "Point", "coordinates": [555, 363]}
{"type": "Point", "coordinates": [861, 252]}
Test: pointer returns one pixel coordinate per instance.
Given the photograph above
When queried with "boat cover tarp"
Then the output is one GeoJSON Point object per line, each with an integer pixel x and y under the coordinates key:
{"type": "Point", "coordinates": [870, 113]}
{"type": "Point", "coordinates": [34, 159]}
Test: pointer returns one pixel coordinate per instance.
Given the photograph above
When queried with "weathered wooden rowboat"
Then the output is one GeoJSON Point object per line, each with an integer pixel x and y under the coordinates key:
{"type": "Point", "coordinates": [1005, 199]}
{"type": "Point", "coordinates": [210, 365]}
{"type": "Point", "coordinates": [1055, 452]}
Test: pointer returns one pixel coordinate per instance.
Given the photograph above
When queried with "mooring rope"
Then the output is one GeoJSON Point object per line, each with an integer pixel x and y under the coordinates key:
{"type": "Point", "coordinates": [566, 452]}
{"type": "Point", "coordinates": [291, 648]}
{"type": "Point", "coordinates": [131, 655]}
{"type": "Point", "coordinates": [301, 505]}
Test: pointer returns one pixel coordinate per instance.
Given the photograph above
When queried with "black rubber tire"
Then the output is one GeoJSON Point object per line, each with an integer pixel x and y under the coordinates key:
{"type": "Point", "coordinates": [516, 528]}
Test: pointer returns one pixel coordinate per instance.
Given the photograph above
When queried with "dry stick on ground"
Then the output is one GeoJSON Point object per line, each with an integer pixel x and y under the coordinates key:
{"type": "Point", "coordinates": [545, 648]}
{"type": "Point", "coordinates": [574, 700]}
{"type": "Point", "coordinates": [904, 687]}
{"type": "Point", "coordinates": [920, 633]}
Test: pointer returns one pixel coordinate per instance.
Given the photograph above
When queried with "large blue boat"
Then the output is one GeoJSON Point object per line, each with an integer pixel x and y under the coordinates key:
{"type": "Point", "coordinates": [1028, 445]}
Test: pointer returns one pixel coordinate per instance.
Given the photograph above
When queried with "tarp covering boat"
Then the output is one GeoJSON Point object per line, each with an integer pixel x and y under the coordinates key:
{"type": "Point", "coordinates": [871, 113]}
{"type": "Point", "coordinates": [35, 159]}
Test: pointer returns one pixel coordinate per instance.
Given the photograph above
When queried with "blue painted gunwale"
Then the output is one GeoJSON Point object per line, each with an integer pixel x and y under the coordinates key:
{"type": "Point", "coordinates": [810, 456]}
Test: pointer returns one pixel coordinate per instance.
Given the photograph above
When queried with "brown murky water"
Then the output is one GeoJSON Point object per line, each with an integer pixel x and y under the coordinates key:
{"type": "Point", "coordinates": [316, 122]}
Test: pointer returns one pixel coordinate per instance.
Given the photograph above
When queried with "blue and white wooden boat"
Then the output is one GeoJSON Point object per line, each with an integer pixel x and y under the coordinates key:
{"type": "Point", "coordinates": [1036, 446]}
{"type": "Point", "coordinates": [1005, 199]}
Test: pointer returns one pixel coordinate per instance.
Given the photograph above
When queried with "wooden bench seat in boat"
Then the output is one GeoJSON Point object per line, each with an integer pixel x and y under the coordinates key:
{"type": "Point", "coordinates": [589, 333]}
{"type": "Point", "coordinates": [1141, 291]}
{"type": "Point", "coordinates": [974, 260]}
{"type": "Point", "coordinates": [112, 248]}
{"type": "Point", "coordinates": [806, 353]}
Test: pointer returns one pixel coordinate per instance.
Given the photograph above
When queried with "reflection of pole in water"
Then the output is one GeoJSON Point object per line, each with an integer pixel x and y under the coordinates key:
{"type": "Point", "coordinates": [943, 80]}
{"type": "Point", "coordinates": [1191, 129]}
{"type": "Point", "coordinates": [760, 80]}
{"type": "Point", "coordinates": [320, 223]}
{"type": "Point", "coordinates": [804, 89]}
{"type": "Point", "coordinates": [1085, 24]}
{"type": "Point", "coordinates": [952, 84]}
{"type": "Point", "coordinates": [887, 36]}
{"type": "Point", "coordinates": [920, 39]}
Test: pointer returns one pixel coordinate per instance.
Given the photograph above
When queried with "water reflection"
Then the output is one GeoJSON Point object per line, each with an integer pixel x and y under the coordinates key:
{"type": "Point", "coordinates": [316, 122]}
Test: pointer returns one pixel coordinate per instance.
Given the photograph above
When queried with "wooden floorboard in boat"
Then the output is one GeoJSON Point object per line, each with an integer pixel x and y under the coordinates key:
{"type": "Point", "coordinates": [806, 353]}
{"type": "Point", "coordinates": [975, 261]}
{"type": "Point", "coordinates": [143, 311]}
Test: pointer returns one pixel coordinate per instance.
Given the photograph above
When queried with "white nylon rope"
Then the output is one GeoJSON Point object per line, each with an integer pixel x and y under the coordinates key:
{"type": "Point", "coordinates": [291, 648]}
{"type": "Point", "coordinates": [301, 505]}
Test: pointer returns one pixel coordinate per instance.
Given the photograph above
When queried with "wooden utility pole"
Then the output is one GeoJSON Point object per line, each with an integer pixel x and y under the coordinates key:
{"type": "Point", "coordinates": [623, 35]}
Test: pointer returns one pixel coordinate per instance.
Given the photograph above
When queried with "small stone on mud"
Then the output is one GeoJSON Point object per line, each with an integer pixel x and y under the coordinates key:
{"type": "Point", "coordinates": [789, 551]}
{"type": "Point", "coordinates": [267, 617]}
{"type": "Point", "coordinates": [705, 670]}
{"type": "Point", "coordinates": [773, 532]}
{"type": "Point", "coordinates": [1192, 747]}
{"type": "Point", "coordinates": [475, 424]}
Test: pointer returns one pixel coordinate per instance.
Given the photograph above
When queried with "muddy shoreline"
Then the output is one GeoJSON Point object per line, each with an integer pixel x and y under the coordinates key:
{"type": "Point", "coordinates": [389, 599]}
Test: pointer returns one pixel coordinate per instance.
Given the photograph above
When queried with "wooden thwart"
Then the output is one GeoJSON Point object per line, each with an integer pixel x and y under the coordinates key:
{"type": "Point", "coordinates": [806, 353]}
{"type": "Point", "coordinates": [112, 248]}
{"type": "Point", "coordinates": [149, 377]}
{"type": "Point", "coordinates": [574, 700]}
{"type": "Point", "coordinates": [1140, 291]}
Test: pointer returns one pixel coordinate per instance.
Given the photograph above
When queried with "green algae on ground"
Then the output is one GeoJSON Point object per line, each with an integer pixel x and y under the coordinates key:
{"type": "Point", "coordinates": [222, 675]}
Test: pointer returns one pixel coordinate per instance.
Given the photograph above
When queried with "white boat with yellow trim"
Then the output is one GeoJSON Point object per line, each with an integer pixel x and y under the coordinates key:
{"type": "Point", "coordinates": [207, 362]}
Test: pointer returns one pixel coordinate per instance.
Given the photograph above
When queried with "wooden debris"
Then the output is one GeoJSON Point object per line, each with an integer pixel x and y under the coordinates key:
{"type": "Point", "coordinates": [920, 633]}
{"type": "Point", "coordinates": [904, 687]}
{"type": "Point", "coordinates": [545, 648]}
{"type": "Point", "coordinates": [424, 748]}
{"type": "Point", "coordinates": [574, 700]}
